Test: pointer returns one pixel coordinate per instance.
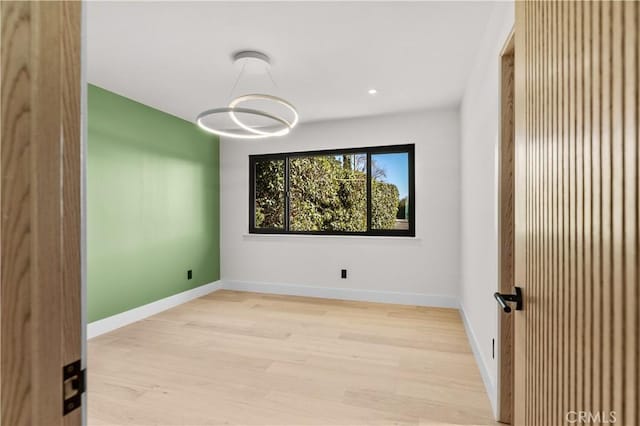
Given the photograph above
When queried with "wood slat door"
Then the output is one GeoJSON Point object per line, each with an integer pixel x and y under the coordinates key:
{"type": "Point", "coordinates": [40, 209]}
{"type": "Point", "coordinates": [577, 118]}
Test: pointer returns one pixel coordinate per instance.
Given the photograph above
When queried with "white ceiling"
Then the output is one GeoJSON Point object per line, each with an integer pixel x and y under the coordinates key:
{"type": "Point", "coordinates": [175, 56]}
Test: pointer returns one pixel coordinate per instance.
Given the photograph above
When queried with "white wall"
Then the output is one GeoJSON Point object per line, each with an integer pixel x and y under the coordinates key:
{"type": "Point", "coordinates": [424, 270]}
{"type": "Point", "coordinates": [479, 160]}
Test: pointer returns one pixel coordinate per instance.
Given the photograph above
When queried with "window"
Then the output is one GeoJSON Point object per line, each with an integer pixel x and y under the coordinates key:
{"type": "Point", "coordinates": [360, 191]}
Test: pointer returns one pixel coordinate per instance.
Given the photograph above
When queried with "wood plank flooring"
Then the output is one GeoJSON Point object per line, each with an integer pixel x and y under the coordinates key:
{"type": "Point", "coordinates": [254, 359]}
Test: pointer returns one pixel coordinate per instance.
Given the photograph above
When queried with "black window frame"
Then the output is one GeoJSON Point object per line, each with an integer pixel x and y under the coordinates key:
{"type": "Point", "coordinates": [369, 151]}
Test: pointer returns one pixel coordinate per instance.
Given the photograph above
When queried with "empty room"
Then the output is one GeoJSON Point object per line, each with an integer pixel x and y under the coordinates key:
{"type": "Point", "coordinates": [319, 213]}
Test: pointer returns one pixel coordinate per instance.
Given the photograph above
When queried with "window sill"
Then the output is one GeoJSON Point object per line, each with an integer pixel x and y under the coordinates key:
{"type": "Point", "coordinates": [340, 237]}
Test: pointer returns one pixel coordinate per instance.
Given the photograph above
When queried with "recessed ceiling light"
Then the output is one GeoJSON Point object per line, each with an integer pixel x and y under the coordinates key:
{"type": "Point", "coordinates": [372, 91]}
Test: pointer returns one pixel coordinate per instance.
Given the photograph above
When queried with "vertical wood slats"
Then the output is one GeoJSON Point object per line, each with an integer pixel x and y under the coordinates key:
{"type": "Point", "coordinates": [577, 205]}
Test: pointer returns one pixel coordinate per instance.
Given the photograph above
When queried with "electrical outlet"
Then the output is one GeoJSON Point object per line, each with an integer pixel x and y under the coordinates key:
{"type": "Point", "coordinates": [189, 274]}
{"type": "Point", "coordinates": [343, 274]}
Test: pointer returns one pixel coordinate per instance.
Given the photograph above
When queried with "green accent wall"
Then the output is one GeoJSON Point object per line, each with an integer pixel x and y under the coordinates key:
{"type": "Point", "coordinates": [153, 205]}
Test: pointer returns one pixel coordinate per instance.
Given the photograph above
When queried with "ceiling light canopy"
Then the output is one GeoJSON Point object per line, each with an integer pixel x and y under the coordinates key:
{"type": "Point", "coordinates": [372, 91]}
{"type": "Point", "coordinates": [240, 119]}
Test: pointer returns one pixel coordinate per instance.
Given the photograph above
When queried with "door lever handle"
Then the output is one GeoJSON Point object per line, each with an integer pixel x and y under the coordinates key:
{"type": "Point", "coordinates": [504, 298]}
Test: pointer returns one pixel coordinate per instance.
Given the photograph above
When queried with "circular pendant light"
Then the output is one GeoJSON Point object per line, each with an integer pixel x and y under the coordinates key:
{"type": "Point", "coordinates": [276, 117]}
{"type": "Point", "coordinates": [290, 124]}
{"type": "Point", "coordinates": [229, 133]}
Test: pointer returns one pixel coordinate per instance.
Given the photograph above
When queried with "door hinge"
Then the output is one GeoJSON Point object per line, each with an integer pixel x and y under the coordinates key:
{"type": "Point", "coordinates": [73, 386]}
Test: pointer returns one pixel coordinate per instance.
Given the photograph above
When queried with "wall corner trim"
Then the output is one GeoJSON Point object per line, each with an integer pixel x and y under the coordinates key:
{"type": "Point", "coordinates": [113, 322]}
{"type": "Point", "coordinates": [377, 296]}
{"type": "Point", "coordinates": [482, 366]}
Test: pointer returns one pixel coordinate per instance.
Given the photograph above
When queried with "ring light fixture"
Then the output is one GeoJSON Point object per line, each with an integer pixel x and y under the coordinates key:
{"type": "Point", "coordinates": [260, 97]}
{"type": "Point", "coordinates": [231, 134]}
{"type": "Point", "coordinates": [256, 63]}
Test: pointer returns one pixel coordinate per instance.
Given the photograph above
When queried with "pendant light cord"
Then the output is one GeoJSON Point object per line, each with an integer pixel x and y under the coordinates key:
{"type": "Point", "coordinates": [237, 80]}
{"type": "Point", "coordinates": [272, 79]}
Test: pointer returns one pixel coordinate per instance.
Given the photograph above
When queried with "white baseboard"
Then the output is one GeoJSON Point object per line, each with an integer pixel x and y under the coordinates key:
{"type": "Point", "coordinates": [111, 323]}
{"type": "Point", "coordinates": [418, 299]}
{"type": "Point", "coordinates": [108, 324]}
{"type": "Point", "coordinates": [484, 372]}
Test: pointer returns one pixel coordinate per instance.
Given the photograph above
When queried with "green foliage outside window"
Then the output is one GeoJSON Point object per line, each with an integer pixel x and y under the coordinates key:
{"type": "Point", "coordinates": [326, 194]}
{"type": "Point", "coordinates": [384, 206]}
{"type": "Point", "coordinates": [270, 194]}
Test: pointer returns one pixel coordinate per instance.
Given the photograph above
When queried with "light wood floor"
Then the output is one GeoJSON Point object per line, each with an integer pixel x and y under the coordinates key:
{"type": "Point", "coordinates": [255, 359]}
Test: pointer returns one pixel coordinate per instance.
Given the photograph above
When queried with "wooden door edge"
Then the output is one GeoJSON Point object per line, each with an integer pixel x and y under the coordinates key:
{"type": "Point", "coordinates": [506, 219]}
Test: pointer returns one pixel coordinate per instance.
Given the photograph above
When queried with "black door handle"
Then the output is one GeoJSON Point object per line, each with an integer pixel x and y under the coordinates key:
{"type": "Point", "coordinates": [504, 298]}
